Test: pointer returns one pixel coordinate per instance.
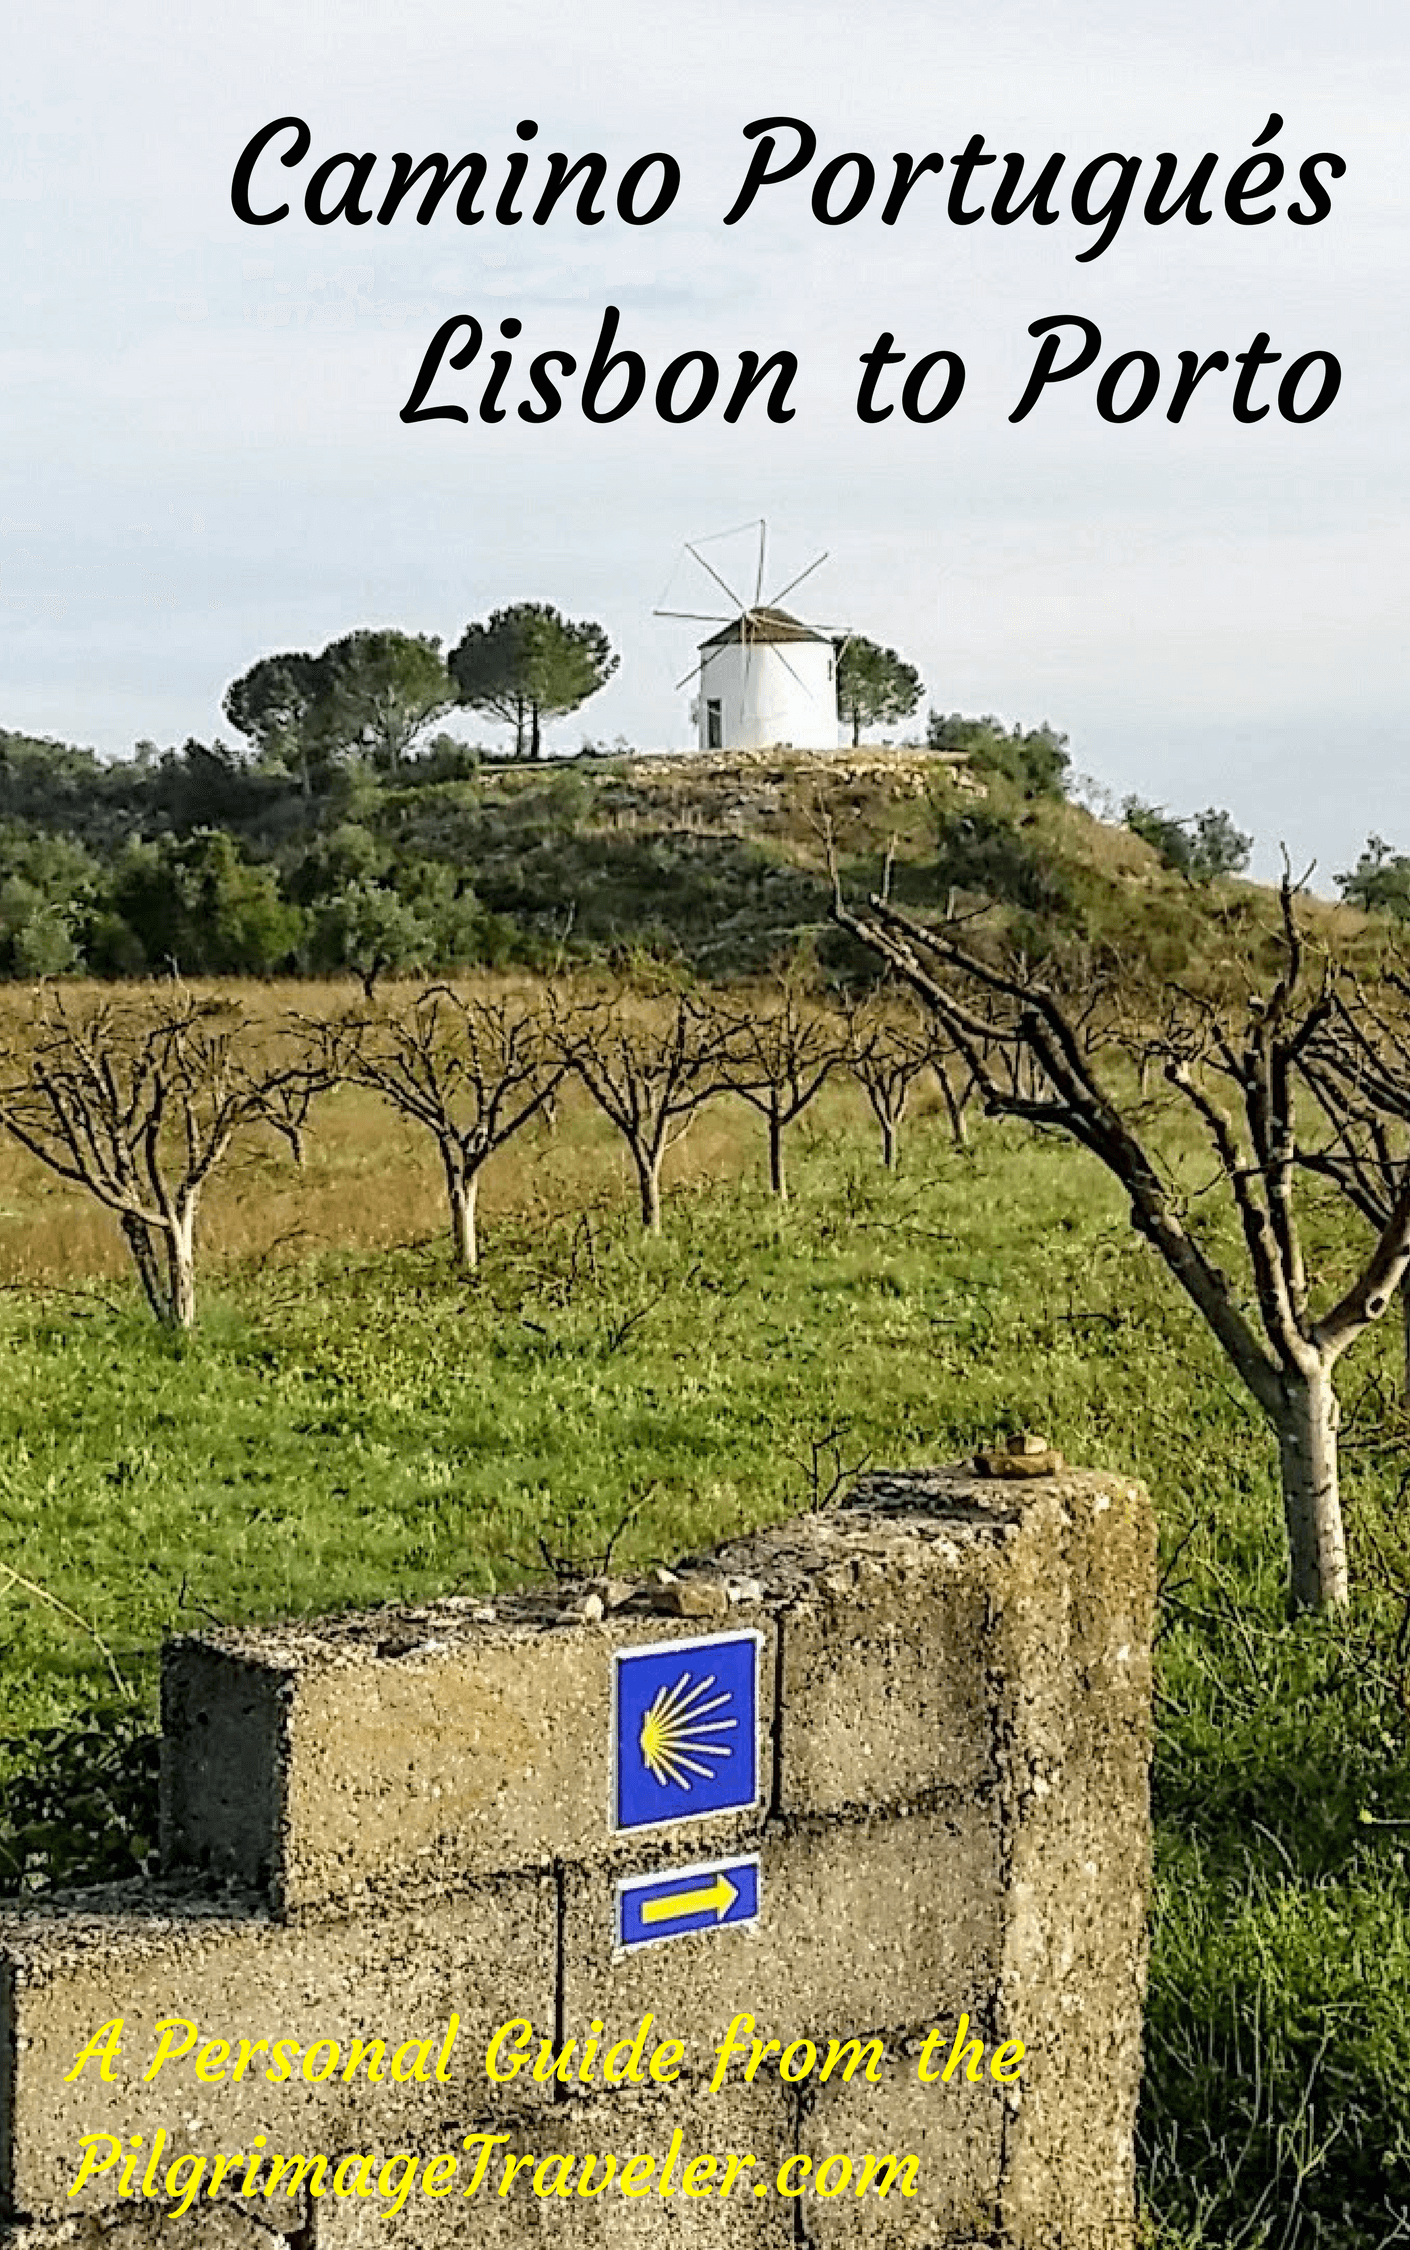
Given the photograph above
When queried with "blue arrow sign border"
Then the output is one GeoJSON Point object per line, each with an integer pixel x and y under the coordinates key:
{"type": "Point", "coordinates": [628, 1883]}
{"type": "Point", "coordinates": [653, 1648]}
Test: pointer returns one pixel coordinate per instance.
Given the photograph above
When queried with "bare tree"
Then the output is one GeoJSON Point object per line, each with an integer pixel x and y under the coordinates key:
{"type": "Point", "coordinates": [1357, 1065]}
{"type": "Point", "coordinates": [1236, 1070]}
{"type": "Point", "coordinates": [290, 1101]}
{"type": "Point", "coordinates": [649, 1077]}
{"type": "Point", "coordinates": [778, 1061]}
{"type": "Point", "coordinates": [887, 1058]}
{"type": "Point", "coordinates": [471, 1072]}
{"type": "Point", "coordinates": [140, 1106]}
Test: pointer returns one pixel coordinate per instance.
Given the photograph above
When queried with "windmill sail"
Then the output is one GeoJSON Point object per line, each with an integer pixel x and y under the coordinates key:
{"type": "Point", "coordinates": [766, 677]}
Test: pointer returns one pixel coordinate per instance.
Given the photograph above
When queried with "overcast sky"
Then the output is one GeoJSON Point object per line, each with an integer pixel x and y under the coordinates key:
{"type": "Point", "coordinates": [203, 459]}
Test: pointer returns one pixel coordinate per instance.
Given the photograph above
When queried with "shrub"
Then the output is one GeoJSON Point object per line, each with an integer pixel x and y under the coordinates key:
{"type": "Point", "coordinates": [1036, 760]}
{"type": "Point", "coordinates": [1379, 882]}
{"type": "Point", "coordinates": [1201, 847]}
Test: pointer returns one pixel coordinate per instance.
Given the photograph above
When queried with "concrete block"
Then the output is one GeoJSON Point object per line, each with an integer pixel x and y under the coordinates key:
{"type": "Point", "coordinates": [324, 1762]}
{"type": "Point", "coordinates": [882, 1612]}
{"type": "Point", "coordinates": [1042, 1623]}
{"type": "Point", "coordinates": [954, 2132]}
{"type": "Point", "coordinates": [1077, 1821]}
{"type": "Point", "coordinates": [748, 2121]}
{"type": "Point", "coordinates": [863, 1925]}
{"type": "Point", "coordinates": [69, 1968]}
{"type": "Point", "coordinates": [218, 2227]}
{"type": "Point", "coordinates": [915, 1634]}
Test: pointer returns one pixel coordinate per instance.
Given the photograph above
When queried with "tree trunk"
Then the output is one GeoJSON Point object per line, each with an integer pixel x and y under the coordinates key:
{"type": "Point", "coordinates": [181, 1273]}
{"type": "Point", "coordinates": [518, 726]}
{"type": "Point", "coordinates": [778, 1179]}
{"type": "Point", "coordinates": [959, 1131]}
{"type": "Point", "coordinates": [535, 744]}
{"type": "Point", "coordinates": [648, 1172]}
{"type": "Point", "coordinates": [144, 1256]}
{"type": "Point", "coordinates": [856, 726]}
{"type": "Point", "coordinates": [463, 1191]}
{"type": "Point", "coordinates": [889, 1125]}
{"type": "Point", "coordinates": [1405, 1336]}
{"type": "Point", "coordinates": [1306, 1425]}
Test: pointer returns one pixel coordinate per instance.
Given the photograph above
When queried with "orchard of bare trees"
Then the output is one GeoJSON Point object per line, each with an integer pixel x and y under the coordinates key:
{"type": "Point", "coordinates": [141, 1100]}
{"type": "Point", "coordinates": [1290, 1236]}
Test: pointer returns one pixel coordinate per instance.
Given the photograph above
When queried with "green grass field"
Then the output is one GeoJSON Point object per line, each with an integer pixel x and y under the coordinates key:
{"type": "Point", "coordinates": [352, 1422]}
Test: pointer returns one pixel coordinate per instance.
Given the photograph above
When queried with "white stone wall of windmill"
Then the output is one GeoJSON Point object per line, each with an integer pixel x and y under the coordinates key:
{"type": "Point", "coordinates": [765, 679]}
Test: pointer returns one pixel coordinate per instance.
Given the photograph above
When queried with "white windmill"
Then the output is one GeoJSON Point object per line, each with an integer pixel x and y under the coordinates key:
{"type": "Point", "coordinates": [766, 679]}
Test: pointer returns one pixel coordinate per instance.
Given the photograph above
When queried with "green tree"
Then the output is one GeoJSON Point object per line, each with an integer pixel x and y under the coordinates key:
{"type": "Point", "coordinates": [530, 663]}
{"type": "Point", "coordinates": [1379, 882]}
{"type": "Point", "coordinates": [1035, 759]}
{"type": "Point", "coordinates": [346, 852]}
{"type": "Point", "coordinates": [378, 694]}
{"type": "Point", "coordinates": [44, 945]}
{"type": "Point", "coordinates": [1201, 847]}
{"type": "Point", "coordinates": [368, 928]}
{"type": "Point", "coordinates": [200, 906]}
{"type": "Point", "coordinates": [272, 706]}
{"type": "Point", "coordinates": [372, 693]}
{"type": "Point", "coordinates": [874, 685]}
{"type": "Point", "coordinates": [48, 889]}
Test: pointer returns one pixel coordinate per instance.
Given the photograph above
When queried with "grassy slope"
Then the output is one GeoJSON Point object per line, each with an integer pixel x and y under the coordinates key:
{"type": "Point", "coordinates": [721, 859]}
{"type": "Point", "coordinates": [352, 1426]}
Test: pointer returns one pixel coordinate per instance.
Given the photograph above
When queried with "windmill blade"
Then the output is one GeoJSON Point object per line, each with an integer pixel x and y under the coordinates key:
{"type": "Point", "coordinates": [696, 672]}
{"type": "Point", "coordinates": [778, 597]}
{"type": "Point", "coordinates": [731, 531]}
{"type": "Point", "coordinates": [714, 574]}
{"type": "Point", "coordinates": [759, 573]}
{"type": "Point", "coordinates": [700, 616]}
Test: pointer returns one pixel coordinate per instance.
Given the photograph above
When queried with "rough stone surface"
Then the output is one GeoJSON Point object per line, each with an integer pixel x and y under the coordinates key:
{"type": "Point", "coordinates": [64, 1972]}
{"type": "Point", "coordinates": [1020, 1463]}
{"type": "Point", "coordinates": [754, 2120]}
{"type": "Point", "coordinates": [863, 1925]}
{"type": "Point", "coordinates": [407, 1746]}
{"type": "Point", "coordinates": [881, 1621]}
{"type": "Point", "coordinates": [215, 2227]}
{"type": "Point", "coordinates": [697, 1597]}
{"type": "Point", "coordinates": [1077, 1856]}
{"type": "Point", "coordinates": [955, 2132]}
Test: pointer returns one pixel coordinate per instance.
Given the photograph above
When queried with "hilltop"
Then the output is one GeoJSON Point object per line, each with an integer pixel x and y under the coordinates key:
{"type": "Point", "coordinates": [720, 859]}
{"type": "Point", "coordinates": [715, 861]}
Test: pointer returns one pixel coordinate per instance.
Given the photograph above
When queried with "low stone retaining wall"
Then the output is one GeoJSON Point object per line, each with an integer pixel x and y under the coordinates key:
{"type": "Point", "coordinates": [877, 1776]}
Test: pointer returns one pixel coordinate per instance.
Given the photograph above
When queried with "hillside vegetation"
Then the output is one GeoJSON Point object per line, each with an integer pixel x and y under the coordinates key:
{"type": "Point", "coordinates": [197, 858]}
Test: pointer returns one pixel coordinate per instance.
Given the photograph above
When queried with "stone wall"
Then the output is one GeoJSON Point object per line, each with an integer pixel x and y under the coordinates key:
{"type": "Point", "coordinates": [492, 1812]}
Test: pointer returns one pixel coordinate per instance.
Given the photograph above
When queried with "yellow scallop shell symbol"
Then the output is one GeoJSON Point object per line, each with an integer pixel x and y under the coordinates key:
{"type": "Point", "coordinates": [676, 1732]}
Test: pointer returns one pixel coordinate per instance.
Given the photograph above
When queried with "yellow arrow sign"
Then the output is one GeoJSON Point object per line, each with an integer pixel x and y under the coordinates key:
{"type": "Point", "coordinates": [717, 1898]}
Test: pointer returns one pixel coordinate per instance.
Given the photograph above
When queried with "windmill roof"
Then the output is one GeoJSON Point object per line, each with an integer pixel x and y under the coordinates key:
{"type": "Point", "coordinates": [755, 625]}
